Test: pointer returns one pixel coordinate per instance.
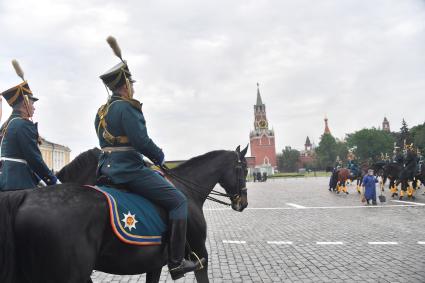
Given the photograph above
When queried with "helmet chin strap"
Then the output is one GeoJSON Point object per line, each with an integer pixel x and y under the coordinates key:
{"type": "Point", "coordinates": [27, 106]}
{"type": "Point", "coordinates": [128, 85]}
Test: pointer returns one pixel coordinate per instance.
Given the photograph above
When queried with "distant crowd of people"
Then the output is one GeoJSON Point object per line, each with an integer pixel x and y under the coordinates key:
{"type": "Point", "coordinates": [258, 177]}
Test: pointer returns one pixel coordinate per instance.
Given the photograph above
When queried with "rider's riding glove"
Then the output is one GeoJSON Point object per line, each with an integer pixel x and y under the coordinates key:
{"type": "Point", "coordinates": [51, 180]}
{"type": "Point", "coordinates": [161, 159]}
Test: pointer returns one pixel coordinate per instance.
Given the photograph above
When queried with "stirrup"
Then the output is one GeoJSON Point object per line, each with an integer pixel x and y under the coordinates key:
{"type": "Point", "coordinates": [180, 270]}
{"type": "Point", "coordinates": [201, 265]}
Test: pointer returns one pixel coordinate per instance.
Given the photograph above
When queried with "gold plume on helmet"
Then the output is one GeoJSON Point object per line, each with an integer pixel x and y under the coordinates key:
{"type": "Point", "coordinates": [115, 47]}
{"type": "Point", "coordinates": [18, 69]}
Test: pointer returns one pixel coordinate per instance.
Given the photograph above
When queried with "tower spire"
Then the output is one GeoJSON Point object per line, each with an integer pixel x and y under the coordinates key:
{"type": "Point", "coordinates": [259, 100]}
{"type": "Point", "coordinates": [327, 131]}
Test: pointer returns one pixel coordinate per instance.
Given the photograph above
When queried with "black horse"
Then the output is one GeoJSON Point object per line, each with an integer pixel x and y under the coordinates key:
{"type": "Point", "coordinates": [391, 171]}
{"type": "Point", "coordinates": [357, 175]}
{"type": "Point", "coordinates": [421, 175]}
{"type": "Point", "coordinates": [61, 233]}
{"type": "Point", "coordinates": [410, 179]}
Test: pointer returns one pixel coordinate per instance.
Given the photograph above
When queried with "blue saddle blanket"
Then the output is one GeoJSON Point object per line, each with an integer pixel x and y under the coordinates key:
{"type": "Point", "coordinates": [134, 219]}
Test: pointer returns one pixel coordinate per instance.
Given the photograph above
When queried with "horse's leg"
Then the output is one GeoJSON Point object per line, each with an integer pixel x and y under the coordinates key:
{"type": "Point", "coordinates": [384, 180]}
{"type": "Point", "coordinates": [345, 186]}
{"type": "Point", "coordinates": [393, 188]}
{"type": "Point", "coordinates": [382, 183]}
{"type": "Point", "coordinates": [153, 276]}
{"type": "Point", "coordinates": [402, 189]}
{"type": "Point", "coordinates": [196, 237]}
{"type": "Point", "coordinates": [358, 183]}
{"type": "Point", "coordinates": [202, 275]}
{"type": "Point", "coordinates": [410, 188]}
{"type": "Point", "coordinates": [414, 187]}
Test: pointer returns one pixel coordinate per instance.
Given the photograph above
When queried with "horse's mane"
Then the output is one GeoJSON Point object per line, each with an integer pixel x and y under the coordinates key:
{"type": "Point", "coordinates": [80, 162]}
{"type": "Point", "coordinates": [199, 160]}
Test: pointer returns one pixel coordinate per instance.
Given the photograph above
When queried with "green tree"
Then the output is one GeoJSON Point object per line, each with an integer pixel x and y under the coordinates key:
{"type": "Point", "coordinates": [418, 137]}
{"type": "Point", "coordinates": [341, 149]}
{"type": "Point", "coordinates": [371, 143]}
{"type": "Point", "coordinates": [404, 134]}
{"type": "Point", "coordinates": [288, 160]}
{"type": "Point", "coordinates": [326, 151]}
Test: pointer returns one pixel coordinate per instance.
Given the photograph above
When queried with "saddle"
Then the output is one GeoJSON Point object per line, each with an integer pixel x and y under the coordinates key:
{"type": "Point", "coordinates": [134, 219]}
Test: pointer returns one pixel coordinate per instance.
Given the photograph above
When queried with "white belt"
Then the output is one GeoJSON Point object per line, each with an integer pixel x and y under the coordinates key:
{"type": "Point", "coordinates": [110, 149]}
{"type": "Point", "coordinates": [14, 160]}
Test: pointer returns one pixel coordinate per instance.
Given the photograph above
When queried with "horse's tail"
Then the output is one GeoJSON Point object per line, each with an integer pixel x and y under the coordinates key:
{"type": "Point", "coordinates": [9, 204]}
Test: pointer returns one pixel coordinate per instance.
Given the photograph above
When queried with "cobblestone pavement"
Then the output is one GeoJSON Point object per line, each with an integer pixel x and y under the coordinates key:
{"type": "Point", "coordinates": [295, 230]}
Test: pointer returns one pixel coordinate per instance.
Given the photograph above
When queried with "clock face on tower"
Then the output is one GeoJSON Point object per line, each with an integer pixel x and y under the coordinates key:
{"type": "Point", "coordinates": [262, 124]}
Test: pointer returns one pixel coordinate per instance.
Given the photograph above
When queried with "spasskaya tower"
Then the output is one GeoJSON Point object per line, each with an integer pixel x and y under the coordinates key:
{"type": "Point", "coordinates": [262, 139]}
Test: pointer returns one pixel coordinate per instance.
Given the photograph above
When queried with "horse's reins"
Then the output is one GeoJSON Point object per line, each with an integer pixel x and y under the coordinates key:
{"type": "Point", "coordinates": [192, 185]}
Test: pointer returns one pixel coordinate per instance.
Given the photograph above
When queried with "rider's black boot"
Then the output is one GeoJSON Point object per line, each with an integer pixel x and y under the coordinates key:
{"type": "Point", "coordinates": [177, 265]}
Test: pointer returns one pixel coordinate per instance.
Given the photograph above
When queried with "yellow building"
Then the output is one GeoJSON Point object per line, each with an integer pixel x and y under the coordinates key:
{"type": "Point", "coordinates": [55, 155]}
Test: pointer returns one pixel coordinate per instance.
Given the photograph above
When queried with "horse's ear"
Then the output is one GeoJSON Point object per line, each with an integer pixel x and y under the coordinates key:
{"type": "Point", "coordinates": [243, 152]}
{"type": "Point", "coordinates": [238, 149]}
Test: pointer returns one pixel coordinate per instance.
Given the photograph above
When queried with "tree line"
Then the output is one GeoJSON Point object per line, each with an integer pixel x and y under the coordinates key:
{"type": "Point", "coordinates": [370, 144]}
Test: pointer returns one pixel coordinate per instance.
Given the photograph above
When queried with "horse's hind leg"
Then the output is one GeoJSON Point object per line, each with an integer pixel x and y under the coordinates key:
{"type": "Point", "coordinates": [403, 189]}
{"type": "Point", "coordinates": [411, 188]}
{"type": "Point", "coordinates": [393, 188]}
{"type": "Point", "coordinates": [344, 186]}
{"type": "Point", "coordinates": [153, 276]}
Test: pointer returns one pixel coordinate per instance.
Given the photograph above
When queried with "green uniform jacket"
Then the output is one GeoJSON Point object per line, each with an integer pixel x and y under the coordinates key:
{"type": "Point", "coordinates": [125, 119]}
{"type": "Point", "coordinates": [21, 142]}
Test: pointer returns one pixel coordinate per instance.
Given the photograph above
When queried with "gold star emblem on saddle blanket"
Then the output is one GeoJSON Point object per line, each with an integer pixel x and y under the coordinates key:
{"type": "Point", "coordinates": [129, 221]}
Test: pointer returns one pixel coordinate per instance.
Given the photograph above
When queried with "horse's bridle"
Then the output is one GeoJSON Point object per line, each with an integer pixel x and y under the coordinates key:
{"type": "Point", "coordinates": [241, 189]}
{"type": "Point", "coordinates": [240, 178]}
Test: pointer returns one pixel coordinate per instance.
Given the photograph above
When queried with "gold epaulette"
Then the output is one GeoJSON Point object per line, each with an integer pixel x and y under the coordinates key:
{"type": "Point", "coordinates": [134, 102]}
{"type": "Point", "coordinates": [109, 138]}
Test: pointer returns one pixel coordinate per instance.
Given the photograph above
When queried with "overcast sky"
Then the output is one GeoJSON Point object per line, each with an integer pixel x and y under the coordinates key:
{"type": "Point", "coordinates": [197, 64]}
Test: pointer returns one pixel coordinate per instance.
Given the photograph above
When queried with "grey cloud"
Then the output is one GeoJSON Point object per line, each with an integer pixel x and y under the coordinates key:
{"type": "Point", "coordinates": [197, 63]}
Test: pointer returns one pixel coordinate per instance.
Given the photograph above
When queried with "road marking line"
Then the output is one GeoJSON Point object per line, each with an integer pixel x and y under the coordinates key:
{"type": "Point", "coordinates": [421, 243]}
{"type": "Point", "coordinates": [279, 243]}
{"type": "Point", "coordinates": [329, 243]}
{"type": "Point", "coordinates": [408, 202]}
{"type": "Point", "coordinates": [382, 243]}
{"type": "Point", "coordinates": [325, 207]}
{"type": "Point", "coordinates": [295, 205]}
{"type": "Point", "coordinates": [233, 242]}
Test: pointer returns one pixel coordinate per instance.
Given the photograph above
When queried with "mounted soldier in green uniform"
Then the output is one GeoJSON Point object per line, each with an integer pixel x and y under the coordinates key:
{"type": "Point", "coordinates": [22, 164]}
{"type": "Point", "coordinates": [398, 156]}
{"type": "Point", "coordinates": [121, 129]}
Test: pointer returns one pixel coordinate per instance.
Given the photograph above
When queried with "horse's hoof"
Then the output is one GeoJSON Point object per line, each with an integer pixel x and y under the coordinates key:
{"type": "Point", "coordinates": [346, 193]}
{"type": "Point", "coordinates": [413, 197]}
{"type": "Point", "coordinates": [400, 198]}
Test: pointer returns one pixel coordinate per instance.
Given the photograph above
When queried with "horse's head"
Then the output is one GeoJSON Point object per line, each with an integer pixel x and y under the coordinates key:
{"type": "Point", "coordinates": [82, 170]}
{"type": "Point", "coordinates": [234, 180]}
